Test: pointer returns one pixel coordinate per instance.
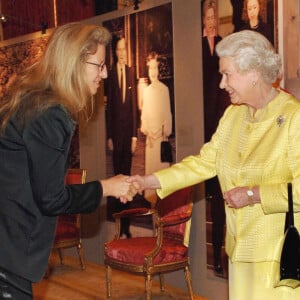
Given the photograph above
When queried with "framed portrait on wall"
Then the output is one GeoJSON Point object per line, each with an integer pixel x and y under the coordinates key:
{"type": "Point", "coordinates": [260, 16]}
{"type": "Point", "coordinates": [220, 18]}
{"type": "Point", "coordinates": [143, 109]}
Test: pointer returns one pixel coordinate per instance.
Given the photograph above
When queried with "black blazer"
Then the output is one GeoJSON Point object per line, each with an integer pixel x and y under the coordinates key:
{"type": "Point", "coordinates": [121, 118]}
{"type": "Point", "coordinates": [33, 159]}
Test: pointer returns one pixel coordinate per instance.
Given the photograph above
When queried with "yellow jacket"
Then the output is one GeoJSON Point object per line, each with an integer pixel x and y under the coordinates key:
{"type": "Point", "coordinates": [250, 151]}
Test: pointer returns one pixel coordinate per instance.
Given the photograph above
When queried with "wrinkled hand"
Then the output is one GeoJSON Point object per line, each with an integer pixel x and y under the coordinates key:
{"type": "Point", "coordinates": [238, 198]}
{"type": "Point", "coordinates": [138, 182]}
{"type": "Point", "coordinates": [142, 183]}
{"type": "Point", "coordinates": [131, 192]}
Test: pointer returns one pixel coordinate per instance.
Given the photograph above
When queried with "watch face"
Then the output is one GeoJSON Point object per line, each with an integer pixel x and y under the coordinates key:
{"type": "Point", "coordinates": [250, 193]}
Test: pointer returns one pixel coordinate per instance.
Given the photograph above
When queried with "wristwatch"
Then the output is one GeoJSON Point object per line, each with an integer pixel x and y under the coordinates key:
{"type": "Point", "coordinates": [250, 197]}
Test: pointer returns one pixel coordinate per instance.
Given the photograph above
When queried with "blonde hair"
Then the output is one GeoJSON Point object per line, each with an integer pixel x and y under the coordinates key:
{"type": "Point", "coordinates": [58, 77]}
{"type": "Point", "coordinates": [251, 50]}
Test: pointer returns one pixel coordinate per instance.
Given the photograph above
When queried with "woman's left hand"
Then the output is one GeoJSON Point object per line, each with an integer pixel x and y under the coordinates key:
{"type": "Point", "coordinates": [239, 197]}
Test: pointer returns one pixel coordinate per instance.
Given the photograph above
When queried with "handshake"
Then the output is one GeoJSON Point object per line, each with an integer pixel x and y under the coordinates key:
{"type": "Point", "coordinates": [122, 187]}
{"type": "Point", "coordinates": [126, 187]}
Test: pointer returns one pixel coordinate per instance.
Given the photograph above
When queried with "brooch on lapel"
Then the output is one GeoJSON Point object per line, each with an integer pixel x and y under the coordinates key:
{"type": "Point", "coordinates": [280, 120]}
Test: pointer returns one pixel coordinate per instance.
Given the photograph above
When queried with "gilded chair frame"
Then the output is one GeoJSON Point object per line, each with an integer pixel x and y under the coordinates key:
{"type": "Point", "coordinates": [148, 269]}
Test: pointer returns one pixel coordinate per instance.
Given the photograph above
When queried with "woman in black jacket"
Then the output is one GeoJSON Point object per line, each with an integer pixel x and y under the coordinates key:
{"type": "Point", "coordinates": [37, 122]}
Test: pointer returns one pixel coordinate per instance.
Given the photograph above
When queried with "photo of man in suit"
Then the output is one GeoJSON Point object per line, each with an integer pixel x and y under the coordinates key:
{"type": "Point", "coordinates": [121, 117]}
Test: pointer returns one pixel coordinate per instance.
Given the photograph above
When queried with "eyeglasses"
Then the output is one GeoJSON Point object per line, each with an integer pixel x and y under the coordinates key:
{"type": "Point", "coordinates": [101, 67]}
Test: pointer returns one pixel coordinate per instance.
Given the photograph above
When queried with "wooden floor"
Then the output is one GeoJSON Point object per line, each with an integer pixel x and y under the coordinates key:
{"type": "Point", "coordinates": [69, 282]}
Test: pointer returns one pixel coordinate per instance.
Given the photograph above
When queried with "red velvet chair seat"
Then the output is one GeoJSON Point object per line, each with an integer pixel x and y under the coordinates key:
{"type": "Point", "coordinates": [133, 251]}
{"type": "Point", "coordinates": [163, 252]}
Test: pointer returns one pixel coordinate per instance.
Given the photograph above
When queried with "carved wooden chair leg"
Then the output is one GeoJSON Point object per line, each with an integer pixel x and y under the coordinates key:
{"type": "Point", "coordinates": [162, 282]}
{"type": "Point", "coordinates": [80, 254]}
{"type": "Point", "coordinates": [148, 286]}
{"type": "Point", "coordinates": [188, 278]}
{"type": "Point", "coordinates": [108, 281]}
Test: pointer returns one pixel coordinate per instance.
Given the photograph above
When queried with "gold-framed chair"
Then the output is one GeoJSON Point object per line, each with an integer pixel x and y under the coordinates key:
{"type": "Point", "coordinates": [164, 252]}
{"type": "Point", "coordinates": [68, 228]}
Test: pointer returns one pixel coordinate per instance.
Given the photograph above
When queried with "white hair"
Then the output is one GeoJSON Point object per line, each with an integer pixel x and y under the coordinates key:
{"type": "Point", "coordinates": [250, 50]}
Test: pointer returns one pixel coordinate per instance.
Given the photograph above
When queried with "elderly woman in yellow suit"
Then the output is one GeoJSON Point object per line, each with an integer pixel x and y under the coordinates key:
{"type": "Point", "coordinates": [255, 151]}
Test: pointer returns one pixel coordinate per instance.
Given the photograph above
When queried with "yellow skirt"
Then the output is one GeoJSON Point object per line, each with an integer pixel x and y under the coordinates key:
{"type": "Point", "coordinates": [255, 281]}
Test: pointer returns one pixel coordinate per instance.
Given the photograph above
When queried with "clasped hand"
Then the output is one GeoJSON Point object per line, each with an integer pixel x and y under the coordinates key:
{"type": "Point", "coordinates": [126, 187]}
{"type": "Point", "coordinates": [120, 186]}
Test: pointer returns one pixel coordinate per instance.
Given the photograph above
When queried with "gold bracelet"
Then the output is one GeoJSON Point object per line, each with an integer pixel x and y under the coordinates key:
{"type": "Point", "coordinates": [250, 197]}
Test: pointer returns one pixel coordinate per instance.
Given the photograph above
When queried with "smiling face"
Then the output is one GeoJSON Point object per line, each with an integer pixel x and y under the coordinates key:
{"type": "Point", "coordinates": [94, 74]}
{"type": "Point", "coordinates": [238, 85]}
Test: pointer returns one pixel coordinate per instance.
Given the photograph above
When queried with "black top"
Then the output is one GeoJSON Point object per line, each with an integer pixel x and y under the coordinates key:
{"type": "Point", "coordinates": [33, 159]}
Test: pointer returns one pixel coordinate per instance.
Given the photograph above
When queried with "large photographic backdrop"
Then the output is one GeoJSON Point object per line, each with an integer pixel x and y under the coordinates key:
{"type": "Point", "coordinates": [148, 39]}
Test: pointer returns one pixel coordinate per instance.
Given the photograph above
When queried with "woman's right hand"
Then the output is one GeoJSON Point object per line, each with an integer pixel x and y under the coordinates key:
{"type": "Point", "coordinates": [120, 187]}
{"type": "Point", "coordinates": [147, 182]}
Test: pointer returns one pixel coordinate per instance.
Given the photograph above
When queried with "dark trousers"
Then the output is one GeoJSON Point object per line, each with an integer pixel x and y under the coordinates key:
{"type": "Point", "coordinates": [13, 287]}
{"type": "Point", "coordinates": [122, 156]}
{"type": "Point", "coordinates": [125, 222]}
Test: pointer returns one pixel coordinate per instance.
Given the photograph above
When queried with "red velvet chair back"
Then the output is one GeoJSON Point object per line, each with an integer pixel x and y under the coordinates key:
{"type": "Point", "coordinates": [176, 204]}
{"type": "Point", "coordinates": [74, 176]}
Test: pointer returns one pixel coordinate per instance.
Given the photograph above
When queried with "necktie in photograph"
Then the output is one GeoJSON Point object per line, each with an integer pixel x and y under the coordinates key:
{"type": "Point", "coordinates": [122, 85]}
